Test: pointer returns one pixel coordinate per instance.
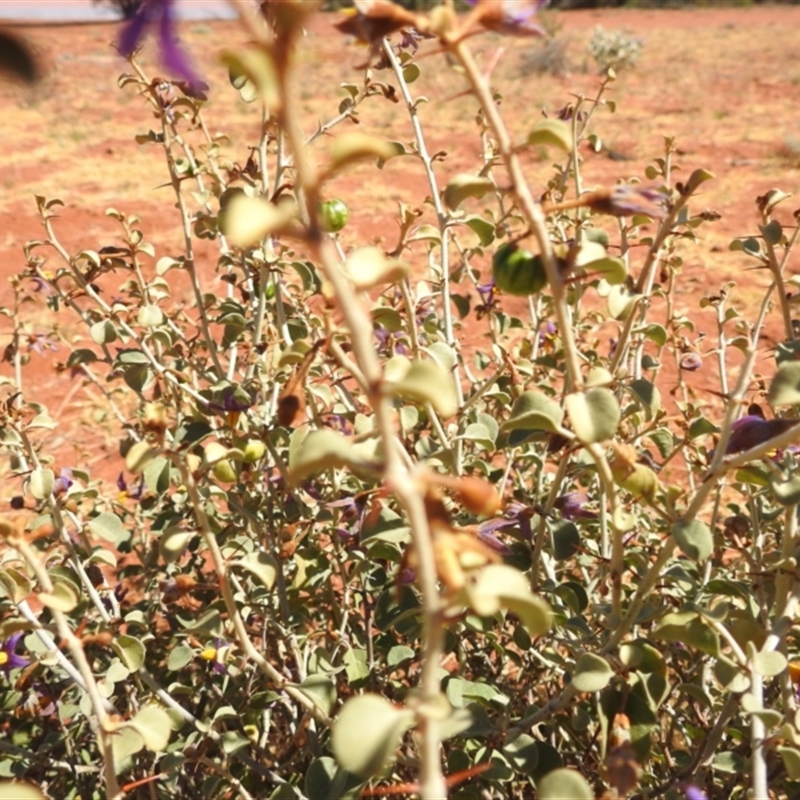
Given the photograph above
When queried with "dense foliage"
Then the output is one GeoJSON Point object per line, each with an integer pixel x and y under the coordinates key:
{"type": "Point", "coordinates": [355, 548]}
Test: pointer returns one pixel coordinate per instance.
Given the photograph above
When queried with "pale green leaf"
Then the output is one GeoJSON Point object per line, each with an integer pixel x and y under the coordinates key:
{"type": "Point", "coordinates": [19, 790]}
{"type": "Point", "coordinates": [614, 270]}
{"type": "Point", "coordinates": [499, 586]}
{"type": "Point", "coordinates": [551, 133]}
{"type": "Point", "coordinates": [594, 414]}
{"type": "Point", "coordinates": [694, 538]}
{"type": "Point", "coordinates": [262, 565]}
{"type": "Point", "coordinates": [534, 411]}
{"type": "Point", "coordinates": [367, 733]}
{"type": "Point", "coordinates": [698, 177]}
{"type": "Point", "coordinates": [791, 761]}
{"type": "Point", "coordinates": [785, 387]}
{"type": "Point", "coordinates": [247, 220]}
{"type": "Point", "coordinates": [63, 598]}
{"type": "Point", "coordinates": [138, 456]}
{"type": "Point", "coordinates": [463, 186]}
{"type": "Point", "coordinates": [769, 663]}
{"type": "Point", "coordinates": [367, 267]}
{"type": "Point", "coordinates": [130, 650]}
{"type": "Point", "coordinates": [179, 657]}
{"type": "Point", "coordinates": [564, 784]}
{"type": "Point", "coordinates": [152, 723]}
{"type": "Point", "coordinates": [41, 482]}
{"type": "Point", "coordinates": [150, 316]}
{"type": "Point", "coordinates": [424, 382]}
{"type": "Point", "coordinates": [592, 673]}
{"type": "Point", "coordinates": [254, 65]}
{"type": "Point", "coordinates": [352, 147]}
{"type": "Point", "coordinates": [319, 450]}
{"type": "Point", "coordinates": [109, 526]}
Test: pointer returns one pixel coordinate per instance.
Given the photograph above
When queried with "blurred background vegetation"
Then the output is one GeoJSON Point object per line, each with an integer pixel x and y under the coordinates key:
{"type": "Point", "coordinates": [128, 8]}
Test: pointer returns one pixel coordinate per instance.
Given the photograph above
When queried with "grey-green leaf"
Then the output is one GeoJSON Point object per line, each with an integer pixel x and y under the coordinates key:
{"type": "Point", "coordinates": [594, 414]}
{"type": "Point", "coordinates": [785, 387]}
{"type": "Point", "coordinates": [464, 186]}
{"type": "Point", "coordinates": [261, 565]}
{"type": "Point", "coordinates": [592, 673]}
{"type": "Point", "coordinates": [367, 733]}
{"type": "Point", "coordinates": [551, 133]}
{"type": "Point", "coordinates": [564, 784]}
{"type": "Point", "coordinates": [130, 650]}
{"type": "Point", "coordinates": [109, 526]}
{"type": "Point", "coordinates": [534, 411]}
{"type": "Point", "coordinates": [694, 538]}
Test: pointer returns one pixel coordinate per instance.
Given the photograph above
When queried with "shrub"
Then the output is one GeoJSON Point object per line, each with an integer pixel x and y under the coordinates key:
{"type": "Point", "coordinates": [614, 49]}
{"type": "Point", "coordinates": [347, 550]}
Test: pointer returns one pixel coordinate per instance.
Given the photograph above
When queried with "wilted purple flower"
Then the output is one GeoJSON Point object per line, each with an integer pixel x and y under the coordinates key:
{"type": "Point", "coordinates": [8, 658]}
{"type": "Point", "coordinates": [354, 511]}
{"type": "Point", "coordinates": [736, 525]}
{"type": "Point", "coordinates": [389, 342]}
{"type": "Point", "coordinates": [548, 334]}
{"type": "Point", "coordinates": [162, 14]}
{"type": "Point", "coordinates": [572, 506]}
{"type": "Point", "coordinates": [42, 285]}
{"type": "Point", "coordinates": [516, 515]}
{"type": "Point", "coordinates": [231, 400]}
{"type": "Point", "coordinates": [627, 199]}
{"type": "Point", "coordinates": [568, 112]}
{"type": "Point", "coordinates": [62, 483]}
{"type": "Point", "coordinates": [486, 535]}
{"type": "Point", "coordinates": [752, 430]}
{"type": "Point", "coordinates": [39, 702]}
{"type": "Point", "coordinates": [406, 576]}
{"type": "Point", "coordinates": [690, 362]}
{"type": "Point", "coordinates": [510, 17]}
{"type": "Point", "coordinates": [338, 422]}
{"type": "Point", "coordinates": [411, 39]}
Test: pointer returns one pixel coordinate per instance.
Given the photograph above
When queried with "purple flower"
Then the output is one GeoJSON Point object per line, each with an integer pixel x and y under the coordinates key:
{"type": "Point", "coordinates": [627, 199]}
{"type": "Point", "coordinates": [8, 658]}
{"type": "Point", "coordinates": [134, 492]}
{"type": "Point", "coordinates": [232, 400]}
{"type": "Point", "coordinates": [510, 17]}
{"type": "Point", "coordinates": [42, 285]}
{"type": "Point", "coordinates": [568, 112]}
{"type": "Point", "coordinates": [695, 793]}
{"type": "Point", "coordinates": [548, 334]}
{"type": "Point", "coordinates": [39, 342]}
{"type": "Point", "coordinates": [160, 13]}
{"type": "Point", "coordinates": [752, 430]}
{"type": "Point", "coordinates": [217, 655]}
{"type": "Point", "coordinates": [572, 506]}
{"type": "Point", "coordinates": [354, 512]}
{"type": "Point", "coordinates": [39, 702]}
{"type": "Point", "coordinates": [62, 483]}
{"type": "Point", "coordinates": [690, 362]}
{"type": "Point", "coordinates": [486, 535]}
{"type": "Point", "coordinates": [487, 290]}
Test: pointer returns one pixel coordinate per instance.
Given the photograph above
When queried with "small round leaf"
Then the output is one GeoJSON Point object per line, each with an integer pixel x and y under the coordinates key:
{"type": "Point", "coordinates": [592, 673]}
{"type": "Point", "coordinates": [564, 784]}
{"type": "Point", "coordinates": [367, 733]}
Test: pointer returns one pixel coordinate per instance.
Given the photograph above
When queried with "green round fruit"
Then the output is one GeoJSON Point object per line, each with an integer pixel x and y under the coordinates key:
{"type": "Point", "coordinates": [333, 215]}
{"type": "Point", "coordinates": [254, 450]}
{"type": "Point", "coordinates": [225, 471]}
{"type": "Point", "coordinates": [517, 271]}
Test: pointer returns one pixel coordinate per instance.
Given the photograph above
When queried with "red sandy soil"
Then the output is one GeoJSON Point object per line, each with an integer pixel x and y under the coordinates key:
{"type": "Point", "coordinates": [724, 82]}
